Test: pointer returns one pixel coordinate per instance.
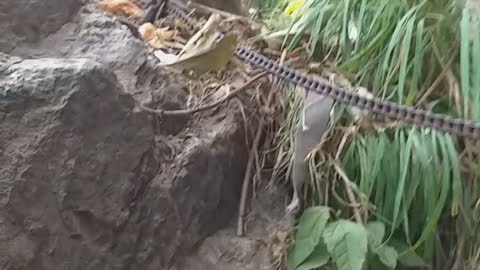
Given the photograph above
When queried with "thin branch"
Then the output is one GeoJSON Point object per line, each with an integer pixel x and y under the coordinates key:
{"type": "Point", "coordinates": [350, 194]}
{"type": "Point", "coordinates": [246, 179]}
{"type": "Point", "coordinates": [437, 81]}
{"type": "Point", "coordinates": [256, 142]}
{"type": "Point", "coordinates": [208, 106]}
{"type": "Point", "coordinates": [248, 172]}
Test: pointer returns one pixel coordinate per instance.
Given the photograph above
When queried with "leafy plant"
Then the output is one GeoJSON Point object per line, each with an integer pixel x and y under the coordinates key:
{"type": "Point", "coordinates": [345, 243]}
{"type": "Point", "coordinates": [309, 249]}
{"type": "Point", "coordinates": [420, 184]}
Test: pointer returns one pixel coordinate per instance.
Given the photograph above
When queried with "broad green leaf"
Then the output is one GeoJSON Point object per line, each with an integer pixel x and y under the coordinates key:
{"type": "Point", "coordinates": [388, 256]}
{"type": "Point", "coordinates": [309, 234]}
{"type": "Point", "coordinates": [410, 258]}
{"type": "Point", "coordinates": [318, 258]}
{"type": "Point", "coordinates": [374, 263]}
{"type": "Point", "coordinates": [375, 232]}
{"type": "Point", "coordinates": [346, 242]}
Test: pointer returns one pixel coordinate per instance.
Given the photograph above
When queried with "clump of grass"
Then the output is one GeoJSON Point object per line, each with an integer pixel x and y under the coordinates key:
{"type": "Point", "coordinates": [420, 183]}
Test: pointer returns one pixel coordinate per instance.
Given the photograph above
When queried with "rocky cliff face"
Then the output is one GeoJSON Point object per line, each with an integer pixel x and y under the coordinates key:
{"type": "Point", "coordinates": [89, 181]}
{"type": "Point", "coordinates": [28, 21]}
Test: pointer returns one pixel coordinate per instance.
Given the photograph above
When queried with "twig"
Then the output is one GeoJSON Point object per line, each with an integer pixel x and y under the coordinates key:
{"type": "Point", "coordinates": [246, 179]}
{"type": "Point", "coordinates": [437, 81]}
{"type": "Point", "coordinates": [208, 106]}
{"type": "Point", "coordinates": [248, 171]}
{"type": "Point", "coordinates": [350, 194]}
{"type": "Point", "coordinates": [458, 263]}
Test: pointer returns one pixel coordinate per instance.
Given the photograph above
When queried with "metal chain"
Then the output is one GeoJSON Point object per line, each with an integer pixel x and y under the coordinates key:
{"type": "Point", "coordinates": [390, 110]}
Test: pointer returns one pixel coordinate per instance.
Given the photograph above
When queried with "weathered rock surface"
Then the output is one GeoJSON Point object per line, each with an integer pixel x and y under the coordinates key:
{"type": "Point", "coordinates": [88, 33]}
{"type": "Point", "coordinates": [87, 181]}
{"type": "Point", "coordinates": [72, 151]}
{"type": "Point", "coordinates": [27, 21]}
{"type": "Point", "coordinates": [224, 250]}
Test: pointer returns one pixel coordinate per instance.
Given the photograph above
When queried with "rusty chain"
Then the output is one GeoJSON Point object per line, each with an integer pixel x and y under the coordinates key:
{"type": "Point", "coordinates": [390, 110]}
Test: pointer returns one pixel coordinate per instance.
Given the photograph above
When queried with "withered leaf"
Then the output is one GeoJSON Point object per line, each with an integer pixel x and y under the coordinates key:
{"type": "Point", "coordinates": [204, 38]}
{"type": "Point", "coordinates": [123, 8]}
{"type": "Point", "coordinates": [156, 38]}
{"type": "Point", "coordinates": [212, 59]}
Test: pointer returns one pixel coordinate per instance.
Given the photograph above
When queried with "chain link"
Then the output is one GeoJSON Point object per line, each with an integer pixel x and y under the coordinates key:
{"type": "Point", "coordinates": [390, 110]}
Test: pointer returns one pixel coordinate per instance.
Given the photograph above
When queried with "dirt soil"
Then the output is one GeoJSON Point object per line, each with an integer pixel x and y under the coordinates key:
{"type": "Point", "coordinates": [89, 181]}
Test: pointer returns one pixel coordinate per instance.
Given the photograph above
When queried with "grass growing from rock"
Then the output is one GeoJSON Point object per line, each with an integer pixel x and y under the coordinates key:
{"type": "Point", "coordinates": [420, 185]}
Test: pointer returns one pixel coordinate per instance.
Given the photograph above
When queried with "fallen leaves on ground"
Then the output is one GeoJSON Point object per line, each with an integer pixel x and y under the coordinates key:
{"type": "Point", "coordinates": [202, 53]}
{"type": "Point", "coordinates": [158, 38]}
{"type": "Point", "coordinates": [124, 8]}
{"type": "Point", "coordinates": [212, 59]}
{"type": "Point", "coordinates": [204, 39]}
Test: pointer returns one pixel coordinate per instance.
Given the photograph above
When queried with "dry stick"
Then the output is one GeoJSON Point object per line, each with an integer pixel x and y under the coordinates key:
{"type": "Point", "coordinates": [458, 263]}
{"type": "Point", "coordinates": [246, 179]}
{"type": "Point", "coordinates": [208, 106]}
{"type": "Point", "coordinates": [251, 157]}
{"type": "Point", "coordinates": [350, 194]}
{"type": "Point", "coordinates": [437, 81]}
{"type": "Point", "coordinates": [248, 171]}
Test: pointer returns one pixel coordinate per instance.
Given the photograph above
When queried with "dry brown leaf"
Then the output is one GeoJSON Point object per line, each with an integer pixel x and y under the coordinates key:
{"type": "Point", "coordinates": [122, 8]}
{"type": "Point", "coordinates": [157, 38]}
{"type": "Point", "coordinates": [165, 34]}
{"type": "Point", "coordinates": [214, 58]}
{"type": "Point", "coordinates": [147, 31]}
{"type": "Point", "coordinates": [204, 39]}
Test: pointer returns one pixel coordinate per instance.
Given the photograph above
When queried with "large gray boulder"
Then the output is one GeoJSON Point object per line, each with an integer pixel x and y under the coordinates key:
{"type": "Point", "coordinates": [86, 184]}
{"type": "Point", "coordinates": [27, 21]}
{"type": "Point", "coordinates": [71, 163]}
{"type": "Point", "coordinates": [87, 180]}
